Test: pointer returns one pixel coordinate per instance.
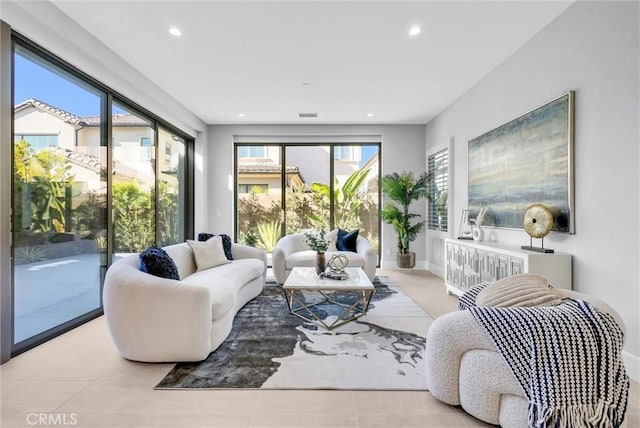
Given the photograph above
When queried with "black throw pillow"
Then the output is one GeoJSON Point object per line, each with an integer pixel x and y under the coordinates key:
{"type": "Point", "coordinates": [226, 242]}
{"type": "Point", "coordinates": [155, 261]}
{"type": "Point", "coordinates": [347, 240]}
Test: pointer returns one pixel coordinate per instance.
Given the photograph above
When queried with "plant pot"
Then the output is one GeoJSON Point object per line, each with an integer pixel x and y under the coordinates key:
{"type": "Point", "coordinates": [321, 263]}
{"type": "Point", "coordinates": [407, 260]}
{"type": "Point", "coordinates": [103, 257]}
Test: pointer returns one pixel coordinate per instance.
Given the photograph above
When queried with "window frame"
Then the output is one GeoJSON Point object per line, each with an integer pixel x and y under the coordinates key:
{"type": "Point", "coordinates": [432, 151]}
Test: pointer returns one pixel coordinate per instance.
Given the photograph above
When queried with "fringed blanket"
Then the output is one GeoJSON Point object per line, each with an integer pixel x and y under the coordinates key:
{"type": "Point", "coordinates": [567, 358]}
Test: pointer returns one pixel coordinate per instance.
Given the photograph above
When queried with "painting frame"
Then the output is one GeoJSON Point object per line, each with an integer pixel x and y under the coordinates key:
{"type": "Point", "coordinates": [528, 160]}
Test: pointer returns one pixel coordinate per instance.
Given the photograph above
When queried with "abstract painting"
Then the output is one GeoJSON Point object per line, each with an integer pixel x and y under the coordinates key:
{"type": "Point", "coordinates": [525, 161]}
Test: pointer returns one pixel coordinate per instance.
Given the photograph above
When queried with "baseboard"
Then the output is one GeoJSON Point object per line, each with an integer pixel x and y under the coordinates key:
{"type": "Point", "coordinates": [437, 270]}
{"type": "Point", "coordinates": [392, 265]}
{"type": "Point", "coordinates": [632, 364]}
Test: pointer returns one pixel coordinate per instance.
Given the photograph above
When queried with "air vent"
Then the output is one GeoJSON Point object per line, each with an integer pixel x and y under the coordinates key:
{"type": "Point", "coordinates": [307, 114]}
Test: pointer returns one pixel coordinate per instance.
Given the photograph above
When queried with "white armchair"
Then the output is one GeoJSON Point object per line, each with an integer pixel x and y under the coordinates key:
{"type": "Point", "coordinates": [292, 251]}
{"type": "Point", "coordinates": [464, 367]}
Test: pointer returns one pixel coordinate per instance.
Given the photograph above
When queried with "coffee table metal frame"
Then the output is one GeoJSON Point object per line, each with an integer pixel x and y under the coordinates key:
{"type": "Point", "coordinates": [305, 279]}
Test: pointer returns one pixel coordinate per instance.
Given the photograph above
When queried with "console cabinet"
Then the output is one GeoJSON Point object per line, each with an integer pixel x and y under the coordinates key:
{"type": "Point", "coordinates": [468, 263]}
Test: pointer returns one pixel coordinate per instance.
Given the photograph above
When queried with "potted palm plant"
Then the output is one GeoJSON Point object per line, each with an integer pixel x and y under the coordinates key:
{"type": "Point", "coordinates": [403, 189]}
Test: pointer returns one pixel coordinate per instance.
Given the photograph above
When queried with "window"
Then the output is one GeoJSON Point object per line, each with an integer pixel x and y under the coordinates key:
{"type": "Point", "coordinates": [145, 142]}
{"type": "Point", "coordinates": [251, 152]}
{"type": "Point", "coordinates": [256, 188]}
{"type": "Point", "coordinates": [312, 189]}
{"type": "Point", "coordinates": [438, 169]}
{"type": "Point", "coordinates": [343, 153]}
{"type": "Point", "coordinates": [38, 142]}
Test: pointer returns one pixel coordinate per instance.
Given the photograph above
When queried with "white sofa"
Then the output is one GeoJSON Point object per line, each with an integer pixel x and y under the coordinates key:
{"type": "Point", "coordinates": [153, 319]}
{"type": "Point", "coordinates": [464, 368]}
{"type": "Point", "coordinates": [292, 251]}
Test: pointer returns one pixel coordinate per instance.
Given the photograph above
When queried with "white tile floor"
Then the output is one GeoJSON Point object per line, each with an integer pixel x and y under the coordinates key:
{"type": "Point", "coordinates": [78, 379]}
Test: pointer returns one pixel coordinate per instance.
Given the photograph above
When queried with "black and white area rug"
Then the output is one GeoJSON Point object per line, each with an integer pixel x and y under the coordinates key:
{"type": "Point", "coordinates": [270, 348]}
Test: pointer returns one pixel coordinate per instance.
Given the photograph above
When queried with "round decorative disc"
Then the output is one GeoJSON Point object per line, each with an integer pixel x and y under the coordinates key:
{"type": "Point", "coordinates": [538, 220]}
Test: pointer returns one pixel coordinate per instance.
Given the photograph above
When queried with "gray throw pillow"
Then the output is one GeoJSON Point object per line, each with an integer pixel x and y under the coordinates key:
{"type": "Point", "coordinates": [208, 254]}
{"type": "Point", "coordinates": [519, 290]}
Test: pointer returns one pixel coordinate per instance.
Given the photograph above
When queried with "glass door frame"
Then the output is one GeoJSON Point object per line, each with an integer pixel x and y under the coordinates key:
{"type": "Point", "coordinates": [106, 128]}
{"type": "Point", "coordinates": [283, 146]}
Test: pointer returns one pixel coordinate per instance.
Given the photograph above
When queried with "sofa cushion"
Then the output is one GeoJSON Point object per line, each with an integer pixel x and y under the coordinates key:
{"type": "Point", "coordinates": [235, 274]}
{"type": "Point", "coordinates": [519, 290]}
{"type": "Point", "coordinates": [156, 261]}
{"type": "Point", "coordinates": [347, 240]}
{"type": "Point", "coordinates": [308, 258]}
{"type": "Point", "coordinates": [226, 242]}
{"type": "Point", "coordinates": [208, 254]}
{"type": "Point", "coordinates": [332, 239]}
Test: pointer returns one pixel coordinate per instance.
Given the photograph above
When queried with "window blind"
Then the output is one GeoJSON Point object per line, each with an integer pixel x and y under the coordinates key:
{"type": "Point", "coordinates": [438, 168]}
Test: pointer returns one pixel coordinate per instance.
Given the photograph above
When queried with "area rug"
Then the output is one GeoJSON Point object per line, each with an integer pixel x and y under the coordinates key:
{"type": "Point", "coordinates": [269, 348]}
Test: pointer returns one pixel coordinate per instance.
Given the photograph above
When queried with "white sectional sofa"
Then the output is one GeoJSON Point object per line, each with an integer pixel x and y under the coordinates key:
{"type": "Point", "coordinates": [292, 250]}
{"type": "Point", "coordinates": [153, 319]}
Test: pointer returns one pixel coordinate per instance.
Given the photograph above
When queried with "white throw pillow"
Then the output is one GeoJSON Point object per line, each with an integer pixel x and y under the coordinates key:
{"type": "Point", "coordinates": [519, 290]}
{"type": "Point", "coordinates": [332, 238]}
{"type": "Point", "coordinates": [209, 253]}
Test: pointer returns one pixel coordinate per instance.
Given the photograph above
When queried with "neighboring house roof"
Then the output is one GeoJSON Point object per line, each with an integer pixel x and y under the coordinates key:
{"type": "Point", "coordinates": [91, 162]}
{"type": "Point", "coordinates": [58, 112]}
{"type": "Point", "coordinates": [118, 119]}
{"type": "Point", "coordinates": [266, 166]}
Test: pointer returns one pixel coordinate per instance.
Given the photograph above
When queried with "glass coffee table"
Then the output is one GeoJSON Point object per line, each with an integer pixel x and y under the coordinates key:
{"type": "Point", "coordinates": [316, 299]}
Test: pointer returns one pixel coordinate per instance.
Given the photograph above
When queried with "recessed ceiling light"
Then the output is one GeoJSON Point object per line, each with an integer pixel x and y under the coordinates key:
{"type": "Point", "coordinates": [240, 114]}
{"type": "Point", "coordinates": [414, 31]}
{"type": "Point", "coordinates": [175, 31]}
{"type": "Point", "coordinates": [369, 114]}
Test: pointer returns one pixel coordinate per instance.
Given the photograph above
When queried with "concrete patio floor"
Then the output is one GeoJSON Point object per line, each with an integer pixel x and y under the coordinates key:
{"type": "Point", "coordinates": [51, 292]}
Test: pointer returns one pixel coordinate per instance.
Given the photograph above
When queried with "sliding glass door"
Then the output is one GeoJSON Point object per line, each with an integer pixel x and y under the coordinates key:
{"type": "Point", "coordinates": [59, 197]}
{"type": "Point", "coordinates": [95, 178]}
{"type": "Point", "coordinates": [286, 188]}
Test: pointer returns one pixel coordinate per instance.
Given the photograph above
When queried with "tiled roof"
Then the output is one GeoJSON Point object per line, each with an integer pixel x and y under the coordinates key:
{"type": "Point", "coordinates": [91, 162]}
{"type": "Point", "coordinates": [62, 114]}
{"type": "Point", "coordinates": [264, 167]}
{"type": "Point", "coordinates": [118, 119]}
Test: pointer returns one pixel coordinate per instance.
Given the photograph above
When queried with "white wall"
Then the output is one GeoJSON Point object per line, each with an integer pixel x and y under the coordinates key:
{"type": "Point", "coordinates": [402, 149]}
{"type": "Point", "coordinates": [591, 48]}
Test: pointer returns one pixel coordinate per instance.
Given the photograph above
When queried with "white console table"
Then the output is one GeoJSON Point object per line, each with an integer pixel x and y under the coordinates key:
{"type": "Point", "coordinates": [468, 263]}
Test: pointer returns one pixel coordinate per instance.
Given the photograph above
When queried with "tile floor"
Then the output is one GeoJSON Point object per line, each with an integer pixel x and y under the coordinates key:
{"type": "Point", "coordinates": [78, 379]}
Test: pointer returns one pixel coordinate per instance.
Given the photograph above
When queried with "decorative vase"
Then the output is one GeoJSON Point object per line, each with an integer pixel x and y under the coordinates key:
{"type": "Point", "coordinates": [320, 263]}
{"type": "Point", "coordinates": [478, 233]}
{"type": "Point", "coordinates": [407, 260]}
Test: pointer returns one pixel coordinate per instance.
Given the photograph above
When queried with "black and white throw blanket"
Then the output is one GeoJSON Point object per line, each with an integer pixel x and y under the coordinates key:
{"type": "Point", "coordinates": [567, 358]}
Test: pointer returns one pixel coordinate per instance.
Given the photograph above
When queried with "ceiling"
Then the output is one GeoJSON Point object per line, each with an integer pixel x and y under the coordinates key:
{"type": "Point", "coordinates": [351, 62]}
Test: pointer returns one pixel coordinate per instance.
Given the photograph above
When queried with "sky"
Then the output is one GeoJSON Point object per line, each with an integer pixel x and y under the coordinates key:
{"type": "Point", "coordinates": [35, 81]}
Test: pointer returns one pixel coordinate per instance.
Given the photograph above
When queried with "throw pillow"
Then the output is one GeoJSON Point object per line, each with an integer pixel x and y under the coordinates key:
{"type": "Point", "coordinates": [226, 242]}
{"type": "Point", "coordinates": [155, 261]}
{"type": "Point", "coordinates": [332, 238]}
{"type": "Point", "coordinates": [519, 290]}
{"type": "Point", "coordinates": [209, 253]}
{"type": "Point", "coordinates": [347, 240]}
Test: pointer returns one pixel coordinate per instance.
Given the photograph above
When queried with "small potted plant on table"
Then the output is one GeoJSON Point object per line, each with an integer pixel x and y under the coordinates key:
{"type": "Point", "coordinates": [316, 242]}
